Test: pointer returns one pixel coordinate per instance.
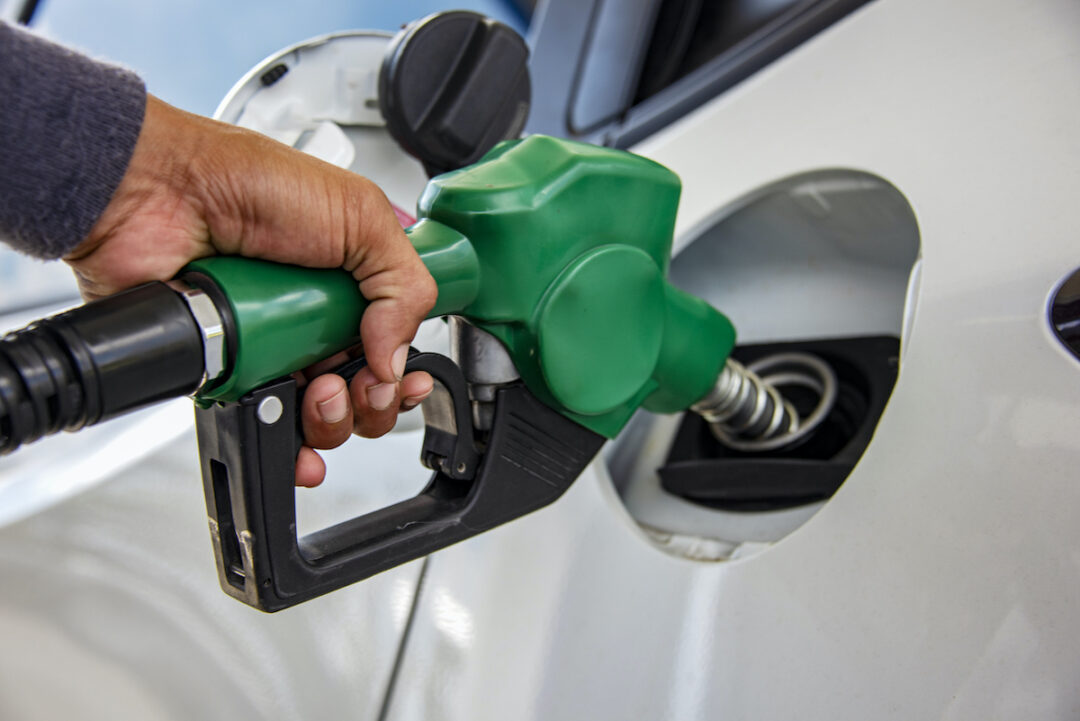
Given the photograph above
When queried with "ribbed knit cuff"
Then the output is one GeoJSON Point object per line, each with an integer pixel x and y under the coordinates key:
{"type": "Point", "coordinates": [68, 126]}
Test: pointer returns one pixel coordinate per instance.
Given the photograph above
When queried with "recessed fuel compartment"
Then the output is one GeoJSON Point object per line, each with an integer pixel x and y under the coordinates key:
{"type": "Point", "coordinates": [702, 470]}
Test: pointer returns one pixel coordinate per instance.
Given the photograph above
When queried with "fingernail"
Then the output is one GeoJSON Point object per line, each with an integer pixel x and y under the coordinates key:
{"type": "Point", "coordinates": [381, 396]}
{"type": "Point", "coordinates": [413, 401]}
{"type": "Point", "coordinates": [334, 409]}
{"type": "Point", "coordinates": [397, 361]}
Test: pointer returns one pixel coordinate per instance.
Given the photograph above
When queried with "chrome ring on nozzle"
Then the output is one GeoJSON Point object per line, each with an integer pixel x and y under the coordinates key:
{"type": "Point", "coordinates": [211, 326]}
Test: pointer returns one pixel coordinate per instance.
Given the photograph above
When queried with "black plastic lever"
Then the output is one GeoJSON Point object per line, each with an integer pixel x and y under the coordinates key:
{"type": "Point", "coordinates": [531, 457]}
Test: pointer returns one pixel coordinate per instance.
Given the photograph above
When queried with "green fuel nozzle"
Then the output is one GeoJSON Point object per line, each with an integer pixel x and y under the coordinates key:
{"type": "Point", "coordinates": [558, 249]}
{"type": "Point", "coordinates": [554, 251]}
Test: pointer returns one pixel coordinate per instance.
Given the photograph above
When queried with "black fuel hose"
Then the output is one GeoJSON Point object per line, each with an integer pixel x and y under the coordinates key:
{"type": "Point", "coordinates": [96, 362]}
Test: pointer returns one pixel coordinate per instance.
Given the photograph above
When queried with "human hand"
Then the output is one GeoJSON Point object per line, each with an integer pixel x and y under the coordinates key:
{"type": "Point", "coordinates": [195, 187]}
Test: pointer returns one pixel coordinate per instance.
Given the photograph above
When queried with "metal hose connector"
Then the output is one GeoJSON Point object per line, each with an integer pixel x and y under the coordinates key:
{"type": "Point", "coordinates": [747, 412]}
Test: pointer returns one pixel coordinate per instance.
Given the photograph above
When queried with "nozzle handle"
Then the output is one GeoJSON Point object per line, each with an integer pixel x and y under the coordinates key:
{"type": "Point", "coordinates": [248, 454]}
{"type": "Point", "coordinates": [284, 318]}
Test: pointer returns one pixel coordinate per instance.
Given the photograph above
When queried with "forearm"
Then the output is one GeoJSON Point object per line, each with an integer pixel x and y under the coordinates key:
{"type": "Point", "coordinates": [68, 126]}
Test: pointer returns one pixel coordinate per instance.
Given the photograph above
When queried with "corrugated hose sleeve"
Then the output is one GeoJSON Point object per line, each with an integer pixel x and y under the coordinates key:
{"type": "Point", "coordinates": [97, 361]}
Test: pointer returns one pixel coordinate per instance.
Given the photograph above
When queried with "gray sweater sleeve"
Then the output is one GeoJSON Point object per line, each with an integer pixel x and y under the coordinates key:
{"type": "Point", "coordinates": [68, 126]}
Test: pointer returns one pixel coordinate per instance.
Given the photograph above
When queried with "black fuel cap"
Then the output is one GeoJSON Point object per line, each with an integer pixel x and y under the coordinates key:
{"type": "Point", "coordinates": [452, 85]}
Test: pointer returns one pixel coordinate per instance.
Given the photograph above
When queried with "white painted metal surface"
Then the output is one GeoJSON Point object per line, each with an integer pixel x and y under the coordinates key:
{"type": "Point", "coordinates": [941, 581]}
{"type": "Point", "coordinates": [110, 606]}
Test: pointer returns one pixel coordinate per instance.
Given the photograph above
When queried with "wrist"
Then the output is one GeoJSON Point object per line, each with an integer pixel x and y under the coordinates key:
{"type": "Point", "coordinates": [159, 168]}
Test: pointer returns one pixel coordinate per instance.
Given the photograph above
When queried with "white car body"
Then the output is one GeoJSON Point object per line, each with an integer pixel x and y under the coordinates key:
{"type": "Point", "coordinates": [942, 579]}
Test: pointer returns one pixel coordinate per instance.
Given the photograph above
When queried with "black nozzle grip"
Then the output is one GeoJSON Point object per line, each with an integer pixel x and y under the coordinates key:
{"type": "Point", "coordinates": [532, 456]}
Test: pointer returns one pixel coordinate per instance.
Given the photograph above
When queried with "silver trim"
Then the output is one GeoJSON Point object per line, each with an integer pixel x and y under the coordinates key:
{"type": "Point", "coordinates": [746, 411]}
{"type": "Point", "coordinates": [211, 326]}
{"type": "Point", "coordinates": [485, 364]}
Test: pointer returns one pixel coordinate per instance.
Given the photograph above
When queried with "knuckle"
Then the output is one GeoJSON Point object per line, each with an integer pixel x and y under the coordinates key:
{"type": "Point", "coordinates": [426, 292]}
